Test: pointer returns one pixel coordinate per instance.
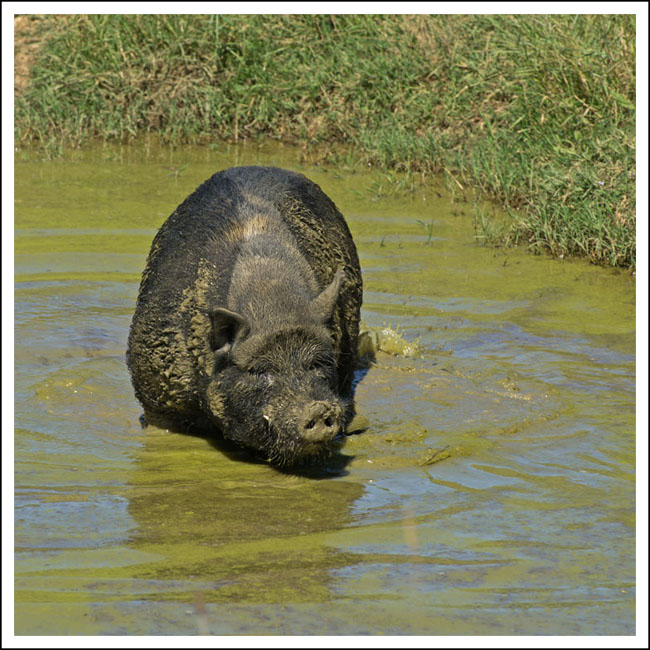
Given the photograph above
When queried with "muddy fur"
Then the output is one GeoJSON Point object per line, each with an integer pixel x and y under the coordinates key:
{"type": "Point", "coordinates": [248, 315]}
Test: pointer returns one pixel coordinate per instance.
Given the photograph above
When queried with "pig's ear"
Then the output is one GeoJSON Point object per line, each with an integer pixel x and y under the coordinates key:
{"type": "Point", "coordinates": [227, 326]}
{"type": "Point", "coordinates": [322, 306]}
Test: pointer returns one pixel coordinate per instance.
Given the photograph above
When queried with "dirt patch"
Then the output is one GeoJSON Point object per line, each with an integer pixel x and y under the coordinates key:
{"type": "Point", "coordinates": [27, 43]}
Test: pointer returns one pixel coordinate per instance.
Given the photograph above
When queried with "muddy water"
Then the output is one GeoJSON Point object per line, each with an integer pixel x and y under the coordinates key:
{"type": "Point", "coordinates": [492, 493]}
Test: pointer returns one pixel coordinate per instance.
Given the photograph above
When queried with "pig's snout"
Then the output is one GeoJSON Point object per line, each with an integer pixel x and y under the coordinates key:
{"type": "Point", "coordinates": [321, 421]}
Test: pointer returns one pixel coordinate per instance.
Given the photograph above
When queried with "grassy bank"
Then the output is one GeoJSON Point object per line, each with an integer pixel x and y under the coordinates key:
{"type": "Point", "coordinates": [537, 112]}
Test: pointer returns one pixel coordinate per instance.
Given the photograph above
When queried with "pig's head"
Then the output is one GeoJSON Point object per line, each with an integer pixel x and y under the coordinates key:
{"type": "Point", "coordinates": [274, 385]}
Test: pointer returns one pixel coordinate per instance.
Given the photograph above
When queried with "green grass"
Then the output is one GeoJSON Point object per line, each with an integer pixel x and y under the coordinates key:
{"type": "Point", "coordinates": [536, 112]}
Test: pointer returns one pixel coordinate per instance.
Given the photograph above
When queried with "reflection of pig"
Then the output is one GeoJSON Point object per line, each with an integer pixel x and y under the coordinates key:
{"type": "Point", "coordinates": [248, 316]}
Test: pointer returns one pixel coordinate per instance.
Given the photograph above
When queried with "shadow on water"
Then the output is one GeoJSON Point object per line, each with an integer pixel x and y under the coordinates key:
{"type": "Point", "coordinates": [324, 468]}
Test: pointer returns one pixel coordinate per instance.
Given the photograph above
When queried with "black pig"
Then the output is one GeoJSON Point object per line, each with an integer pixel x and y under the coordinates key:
{"type": "Point", "coordinates": [247, 317]}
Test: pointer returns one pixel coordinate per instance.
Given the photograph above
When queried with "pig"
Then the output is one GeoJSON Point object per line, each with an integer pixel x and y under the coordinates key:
{"type": "Point", "coordinates": [247, 317]}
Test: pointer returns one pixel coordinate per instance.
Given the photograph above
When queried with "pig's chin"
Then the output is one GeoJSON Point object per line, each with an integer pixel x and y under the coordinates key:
{"type": "Point", "coordinates": [290, 450]}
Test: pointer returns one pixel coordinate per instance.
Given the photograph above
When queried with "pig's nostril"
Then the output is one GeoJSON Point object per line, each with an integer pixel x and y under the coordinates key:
{"type": "Point", "coordinates": [329, 422]}
{"type": "Point", "coordinates": [311, 424]}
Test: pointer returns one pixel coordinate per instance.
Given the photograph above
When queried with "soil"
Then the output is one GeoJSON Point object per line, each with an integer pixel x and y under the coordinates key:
{"type": "Point", "coordinates": [27, 43]}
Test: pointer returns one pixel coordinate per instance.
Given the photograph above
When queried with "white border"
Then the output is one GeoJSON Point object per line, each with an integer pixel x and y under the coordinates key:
{"type": "Point", "coordinates": [11, 8]}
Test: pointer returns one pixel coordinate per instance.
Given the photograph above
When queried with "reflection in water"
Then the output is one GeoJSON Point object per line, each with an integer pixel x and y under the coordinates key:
{"type": "Point", "coordinates": [492, 492]}
{"type": "Point", "coordinates": [242, 530]}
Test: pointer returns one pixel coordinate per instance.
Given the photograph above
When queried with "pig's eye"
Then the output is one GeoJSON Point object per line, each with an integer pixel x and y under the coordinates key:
{"type": "Point", "coordinates": [318, 365]}
{"type": "Point", "coordinates": [260, 373]}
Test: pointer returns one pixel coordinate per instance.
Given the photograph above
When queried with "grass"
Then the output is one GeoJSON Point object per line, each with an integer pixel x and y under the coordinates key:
{"type": "Point", "coordinates": [536, 112]}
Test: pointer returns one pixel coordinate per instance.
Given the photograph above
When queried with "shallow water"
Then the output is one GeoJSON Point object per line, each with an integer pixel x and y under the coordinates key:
{"type": "Point", "coordinates": [492, 493]}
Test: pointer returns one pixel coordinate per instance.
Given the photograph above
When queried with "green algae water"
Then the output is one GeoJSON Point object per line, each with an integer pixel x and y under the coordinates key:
{"type": "Point", "coordinates": [492, 492]}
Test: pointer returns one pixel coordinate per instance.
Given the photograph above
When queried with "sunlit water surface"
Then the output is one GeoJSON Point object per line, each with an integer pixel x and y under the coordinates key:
{"type": "Point", "coordinates": [492, 493]}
